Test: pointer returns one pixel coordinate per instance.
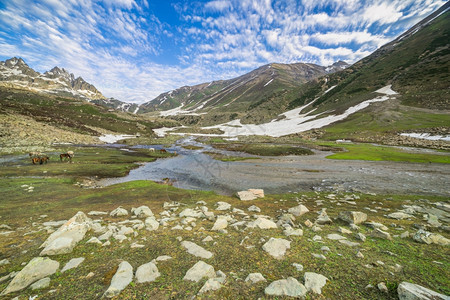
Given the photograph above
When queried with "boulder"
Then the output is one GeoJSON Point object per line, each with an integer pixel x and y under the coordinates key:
{"type": "Point", "coordinates": [254, 208]}
{"type": "Point", "coordinates": [41, 284]}
{"type": "Point", "coordinates": [67, 236]}
{"type": "Point", "coordinates": [119, 212]}
{"type": "Point", "coordinates": [223, 206]}
{"type": "Point", "coordinates": [262, 223]}
{"type": "Point", "coordinates": [255, 277]}
{"type": "Point", "coordinates": [378, 233]}
{"type": "Point", "coordinates": [147, 273]}
{"type": "Point", "coordinates": [73, 263]}
{"type": "Point", "coordinates": [151, 224]}
{"type": "Point", "coordinates": [199, 271]}
{"type": "Point", "coordinates": [259, 193]}
{"type": "Point", "coordinates": [335, 236]}
{"type": "Point", "coordinates": [36, 269]}
{"type": "Point", "coordinates": [212, 284]}
{"type": "Point", "coordinates": [411, 291]}
{"type": "Point", "coordinates": [323, 218]}
{"type": "Point", "coordinates": [142, 211]}
{"type": "Point", "coordinates": [277, 247]}
{"type": "Point", "coordinates": [399, 215]}
{"type": "Point", "coordinates": [246, 196]}
{"type": "Point", "coordinates": [189, 212]}
{"type": "Point", "coordinates": [286, 287]}
{"type": "Point", "coordinates": [120, 280]}
{"type": "Point", "coordinates": [315, 282]}
{"type": "Point", "coordinates": [221, 223]}
{"type": "Point", "coordinates": [353, 217]}
{"type": "Point", "coordinates": [196, 250]}
{"type": "Point", "coordinates": [298, 210]}
{"type": "Point", "coordinates": [426, 237]}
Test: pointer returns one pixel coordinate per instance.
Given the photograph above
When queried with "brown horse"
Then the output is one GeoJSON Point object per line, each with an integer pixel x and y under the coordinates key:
{"type": "Point", "coordinates": [44, 159]}
{"type": "Point", "coordinates": [163, 151]}
{"type": "Point", "coordinates": [66, 156]}
{"type": "Point", "coordinates": [35, 160]}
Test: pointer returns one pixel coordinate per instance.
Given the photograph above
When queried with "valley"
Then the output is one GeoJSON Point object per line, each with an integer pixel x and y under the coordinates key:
{"type": "Point", "coordinates": [290, 181]}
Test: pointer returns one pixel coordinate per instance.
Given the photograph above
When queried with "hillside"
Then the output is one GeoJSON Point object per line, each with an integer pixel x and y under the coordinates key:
{"type": "Point", "coordinates": [16, 74]}
{"type": "Point", "coordinates": [240, 97]}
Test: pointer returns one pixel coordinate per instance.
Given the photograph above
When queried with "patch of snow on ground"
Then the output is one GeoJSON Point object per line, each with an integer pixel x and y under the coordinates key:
{"type": "Point", "coordinates": [269, 82]}
{"type": "Point", "coordinates": [161, 132]}
{"type": "Point", "coordinates": [329, 89]}
{"type": "Point", "coordinates": [427, 136]}
{"type": "Point", "coordinates": [111, 138]}
{"type": "Point", "coordinates": [136, 110]}
{"type": "Point", "coordinates": [294, 122]}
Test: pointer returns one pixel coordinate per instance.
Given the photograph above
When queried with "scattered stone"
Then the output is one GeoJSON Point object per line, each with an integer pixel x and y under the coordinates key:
{"type": "Point", "coordinates": [221, 223]}
{"type": "Point", "coordinates": [315, 282]}
{"type": "Point", "coordinates": [207, 239]}
{"type": "Point", "coordinates": [142, 212]}
{"type": "Point", "coordinates": [196, 250]}
{"type": "Point", "coordinates": [136, 245]}
{"type": "Point", "coordinates": [259, 193]}
{"type": "Point", "coordinates": [359, 254]}
{"type": "Point", "coordinates": [335, 236]}
{"type": "Point", "coordinates": [41, 284]}
{"type": "Point", "coordinates": [433, 221]}
{"type": "Point", "coordinates": [73, 263]}
{"type": "Point", "coordinates": [353, 217]}
{"type": "Point", "coordinates": [67, 236]}
{"type": "Point", "coordinates": [254, 208]}
{"type": "Point", "coordinates": [404, 235]}
{"type": "Point", "coordinates": [97, 213]}
{"type": "Point", "coordinates": [246, 196]}
{"type": "Point", "coordinates": [262, 223]}
{"type": "Point", "coordinates": [323, 218]}
{"type": "Point", "coordinates": [54, 223]}
{"type": "Point", "coordinates": [325, 249]}
{"type": "Point", "coordinates": [163, 258]}
{"type": "Point", "coordinates": [298, 267]}
{"type": "Point", "coordinates": [277, 247]}
{"type": "Point", "coordinates": [189, 212]}
{"type": "Point", "coordinates": [199, 271]}
{"type": "Point", "coordinates": [223, 206]}
{"type": "Point", "coordinates": [94, 240]}
{"type": "Point", "coordinates": [426, 237]}
{"type": "Point", "coordinates": [119, 212]}
{"type": "Point", "coordinates": [151, 224]}
{"type": "Point", "coordinates": [286, 287]}
{"type": "Point", "coordinates": [321, 256]}
{"type": "Point", "coordinates": [308, 223]}
{"type": "Point", "coordinates": [37, 268]}
{"type": "Point", "coordinates": [376, 225]}
{"type": "Point", "coordinates": [348, 243]}
{"type": "Point", "coordinates": [4, 262]}
{"type": "Point", "coordinates": [378, 233]}
{"type": "Point", "coordinates": [120, 280]}
{"type": "Point", "coordinates": [298, 210]}
{"type": "Point", "coordinates": [291, 231]}
{"type": "Point", "coordinates": [212, 284]}
{"type": "Point", "coordinates": [399, 216]}
{"type": "Point", "coordinates": [147, 273]}
{"type": "Point", "coordinates": [317, 238]}
{"type": "Point", "coordinates": [382, 287]}
{"type": "Point", "coordinates": [411, 291]}
{"type": "Point", "coordinates": [255, 277]}
{"type": "Point", "coordinates": [361, 237]}
{"type": "Point", "coordinates": [344, 230]}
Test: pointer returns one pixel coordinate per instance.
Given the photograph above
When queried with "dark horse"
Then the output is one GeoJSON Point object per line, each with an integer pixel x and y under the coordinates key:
{"type": "Point", "coordinates": [40, 160]}
{"type": "Point", "coordinates": [163, 151]}
{"type": "Point", "coordinates": [66, 156]}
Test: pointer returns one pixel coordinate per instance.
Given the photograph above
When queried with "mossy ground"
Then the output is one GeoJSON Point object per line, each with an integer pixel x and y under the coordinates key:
{"type": "Point", "coordinates": [59, 198]}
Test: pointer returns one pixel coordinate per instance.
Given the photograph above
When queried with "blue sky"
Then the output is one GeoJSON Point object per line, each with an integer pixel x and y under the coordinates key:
{"type": "Point", "coordinates": [134, 50]}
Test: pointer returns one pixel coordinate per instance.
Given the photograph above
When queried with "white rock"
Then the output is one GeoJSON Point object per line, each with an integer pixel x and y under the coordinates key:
{"type": "Point", "coordinates": [120, 280]}
{"type": "Point", "coordinates": [41, 284]}
{"type": "Point", "coordinates": [298, 267]}
{"type": "Point", "coordinates": [73, 263]}
{"type": "Point", "coordinates": [291, 231]}
{"type": "Point", "coordinates": [119, 212]}
{"type": "Point", "coordinates": [97, 213]}
{"type": "Point", "coordinates": [255, 277]}
{"type": "Point", "coordinates": [67, 236]}
{"type": "Point", "coordinates": [221, 223]}
{"type": "Point", "coordinates": [212, 284]}
{"type": "Point", "coordinates": [207, 239]}
{"type": "Point", "coordinates": [378, 233]}
{"type": "Point", "coordinates": [151, 224]}
{"type": "Point", "coordinates": [254, 208]}
{"type": "Point", "coordinates": [335, 236]}
{"type": "Point", "coordinates": [246, 196]}
{"type": "Point", "coordinates": [426, 237]}
{"type": "Point", "coordinates": [199, 271]}
{"type": "Point", "coordinates": [94, 240]}
{"type": "Point", "coordinates": [142, 211]}
{"type": "Point", "coordinates": [399, 216]}
{"type": "Point", "coordinates": [105, 236]}
{"type": "Point", "coordinates": [259, 193]}
{"type": "Point", "coordinates": [315, 282]}
{"type": "Point", "coordinates": [277, 247]}
{"type": "Point", "coordinates": [147, 273]}
{"type": "Point", "coordinates": [353, 217]}
{"type": "Point", "coordinates": [411, 291]}
{"type": "Point", "coordinates": [262, 223]}
{"type": "Point", "coordinates": [286, 287]}
{"type": "Point", "coordinates": [223, 206]}
{"type": "Point", "coordinates": [196, 250]}
{"type": "Point", "coordinates": [298, 210]}
{"type": "Point", "coordinates": [37, 268]}
{"type": "Point", "coordinates": [188, 212]}
{"type": "Point", "coordinates": [4, 262]}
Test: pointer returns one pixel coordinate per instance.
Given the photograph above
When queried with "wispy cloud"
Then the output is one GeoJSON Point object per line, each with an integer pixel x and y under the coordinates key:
{"type": "Point", "coordinates": [136, 49]}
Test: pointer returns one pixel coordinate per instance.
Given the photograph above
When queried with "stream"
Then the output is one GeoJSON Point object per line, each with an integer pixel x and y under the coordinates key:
{"type": "Point", "coordinates": [192, 169]}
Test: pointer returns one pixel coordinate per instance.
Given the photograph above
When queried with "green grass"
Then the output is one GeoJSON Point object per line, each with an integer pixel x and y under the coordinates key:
{"type": "Point", "coordinates": [264, 149]}
{"type": "Point", "coordinates": [371, 152]}
{"type": "Point", "coordinates": [59, 198]}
